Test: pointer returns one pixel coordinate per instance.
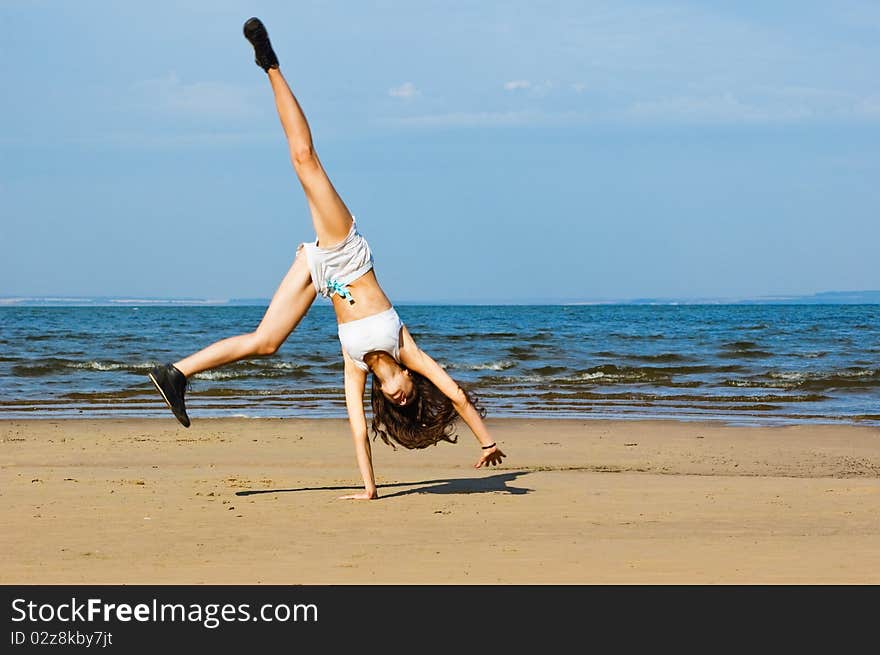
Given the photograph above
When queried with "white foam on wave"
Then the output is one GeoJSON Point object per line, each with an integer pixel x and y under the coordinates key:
{"type": "Point", "coordinates": [800, 377]}
{"type": "Point", "coordinates": [96, 365]}
{"type": "Point", "coordinates": [216, 375]}
{"type": "Point", "coordinates": [524, 378]}
{"type": "Point", "coordinates": [794, 376]}
{"type": "Point", "coordinates": [865, 372]}
{"type": "Point", "coordinates": [500, 365]}
{"type": "Point", "coordinates": [624, 376]}
{"type": "Point", "coordinates": [228, 374]}
{"type": "Point", "coordinates": [287, 366]}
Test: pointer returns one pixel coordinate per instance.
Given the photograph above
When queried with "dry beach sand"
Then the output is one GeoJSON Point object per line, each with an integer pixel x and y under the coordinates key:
{"type": "Point", "coordinates": [235, 501]}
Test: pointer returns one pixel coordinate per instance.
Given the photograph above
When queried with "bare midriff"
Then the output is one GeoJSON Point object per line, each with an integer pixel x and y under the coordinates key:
{"type": "Point", "coordinates": [368, 298]}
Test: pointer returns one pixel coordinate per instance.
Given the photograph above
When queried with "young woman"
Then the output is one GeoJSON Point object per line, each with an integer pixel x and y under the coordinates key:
{"type": "Point", "coordinates": [414, 401]}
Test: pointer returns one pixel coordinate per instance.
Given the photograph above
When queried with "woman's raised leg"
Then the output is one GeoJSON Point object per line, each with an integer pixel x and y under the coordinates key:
{"type": "Point", "coordinates": [331, 218]}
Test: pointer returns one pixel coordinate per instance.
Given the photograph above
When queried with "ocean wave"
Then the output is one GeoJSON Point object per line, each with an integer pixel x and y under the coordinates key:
{"type": "Point", "coordinates": [241, 372]}
{"type": "Point", "coordinates": [811, 381]}
{"type": "Point", "coordinates": [843, 379]}
{"type": "Point", "coordinates": [739, 345]}
{"type": "Point", "coordinates": [658, 372]}
{"type": "Point", "coordinates": [501, 365]}
{"type": "Point", "coordinates": [744, 354]}
{"type": "Point", "coordinates": [614, 373]}
{"type": "Point", "coordinates": [524, 353]}
{"type": "Point", "coordinates": [787, 375]}
{"type": "Point", "coordinates": [743, 383]}
{"type": "Point", "coordinates": [610, 374]}
{"type": "Point", "coordinates": [550, 370]}
{"type": "Point", "coordinates": [661, 357]}
{"type": "Point", "coordinates": [97, 396]}
{"type": "Point", "coordinates": [54, 365]}
{"type": "Point", "coordinates": [285, 394]}
{"type": "Point", "coordinates": [711, 399]}
{"type": "Point", "coordinates": [97, 365]}
{"type": "Point", "coordinates": [220, 374]}
{"type": "Point", "coordinates": [148, 393]}
{"type": "Point", "coordinates": [56, 336]}
{"type": "Point", "coordinates": [247, 368]}
{"type": "Point", "coordinates": [468, 336]}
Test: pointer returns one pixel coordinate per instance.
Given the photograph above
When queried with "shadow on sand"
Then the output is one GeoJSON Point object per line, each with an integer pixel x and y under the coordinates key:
{"type": "Point", "coordinates": [497, 482]}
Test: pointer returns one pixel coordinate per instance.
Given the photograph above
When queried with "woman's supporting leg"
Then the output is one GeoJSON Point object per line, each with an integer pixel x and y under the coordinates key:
{"type": "Point", "coordinates": [290, 303]}
{"type": "Point", "coordinates": [330, 216]}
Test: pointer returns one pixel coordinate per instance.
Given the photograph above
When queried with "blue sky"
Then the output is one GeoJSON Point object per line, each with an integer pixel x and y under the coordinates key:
{"type": "Point", "coordinates": [514, 151]}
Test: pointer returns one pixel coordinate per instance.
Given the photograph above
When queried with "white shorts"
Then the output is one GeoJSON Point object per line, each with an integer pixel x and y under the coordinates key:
{"type": "Point", "coordinates": [379, 332]}
{"type": "Point", "coordinates": [339, 265]}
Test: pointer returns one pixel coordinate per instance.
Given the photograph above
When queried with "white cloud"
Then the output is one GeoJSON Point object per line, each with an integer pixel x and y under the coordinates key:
{"type": "Point", "coordinates": [536, 89]}
{"type": "Point", "coordinates": [578, 87]}
{"type": "Point", "coordinates": [406, 90]}
{"type": "Point", "coordinates": [502, 119]}
{"type": "Point", "coordinates": [471, 119]}
{"type": "Point", "coordinates": [543, 88]}
{"type": "Point", "coordinates": [205, 99]}
{"type": "Point", "coordinates": [868, 107]}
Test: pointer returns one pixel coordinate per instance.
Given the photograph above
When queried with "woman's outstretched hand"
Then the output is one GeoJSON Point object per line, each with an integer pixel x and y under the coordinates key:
{"type": "Point", "coordinates": [490, 457]}
{"type": "Point", "coordinates": [364, 495]}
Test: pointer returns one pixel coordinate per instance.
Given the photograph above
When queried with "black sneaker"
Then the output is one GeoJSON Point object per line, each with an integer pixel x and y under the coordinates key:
{"type": "Point", "coordinates": [171, 383]}
{"type": "Point", "coordinates": [255, 32]}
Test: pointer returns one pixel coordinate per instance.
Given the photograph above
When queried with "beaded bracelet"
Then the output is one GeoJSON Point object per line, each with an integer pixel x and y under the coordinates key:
{"type": "Point", "coordinates": [491, 445]}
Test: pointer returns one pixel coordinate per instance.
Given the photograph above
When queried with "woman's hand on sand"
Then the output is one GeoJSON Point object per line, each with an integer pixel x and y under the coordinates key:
{"type": "Point", "coordinates": [491, 457]}
{"type": "Point", "coordinates": [364, 495]}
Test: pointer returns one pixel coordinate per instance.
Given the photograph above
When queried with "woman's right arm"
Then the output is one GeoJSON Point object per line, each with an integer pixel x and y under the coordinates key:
{"type": "Point", "coordinates": [355, 383]}
{"type": "Point", "coordinates": [419, 361]}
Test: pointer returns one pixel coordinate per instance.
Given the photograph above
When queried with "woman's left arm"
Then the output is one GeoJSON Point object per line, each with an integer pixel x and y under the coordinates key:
{"type": "Point", "coordinates": [415, 359]}
{"type": "Point", "coordinates": [355, 383]}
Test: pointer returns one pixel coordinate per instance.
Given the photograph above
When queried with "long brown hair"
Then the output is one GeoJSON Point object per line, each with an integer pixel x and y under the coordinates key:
{"type": "Point", "coordinates": [427, 420]}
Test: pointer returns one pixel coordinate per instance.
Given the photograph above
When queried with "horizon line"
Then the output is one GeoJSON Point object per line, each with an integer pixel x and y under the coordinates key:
{"type": "Point", "coordinates": [871, 296]}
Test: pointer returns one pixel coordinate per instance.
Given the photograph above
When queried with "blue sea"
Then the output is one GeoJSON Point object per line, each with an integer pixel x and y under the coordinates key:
{"type": "Point", "coordinates": [755, 364]}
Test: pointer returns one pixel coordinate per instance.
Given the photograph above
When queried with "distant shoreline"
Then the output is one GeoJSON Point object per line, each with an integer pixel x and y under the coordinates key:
{"type": "Point", "coordinates": [823, 298]}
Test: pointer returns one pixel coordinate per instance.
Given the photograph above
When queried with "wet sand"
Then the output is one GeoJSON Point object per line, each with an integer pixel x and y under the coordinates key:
{"type": "Point", "coordinates": [247, 501]}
